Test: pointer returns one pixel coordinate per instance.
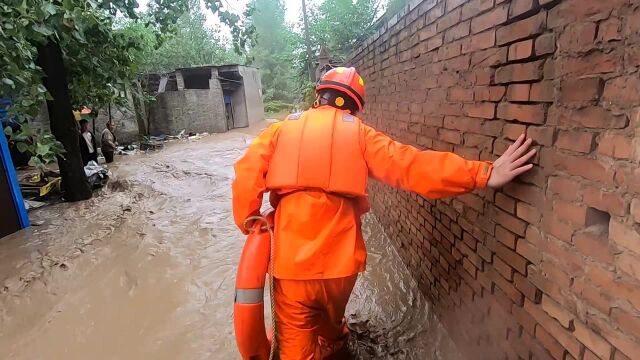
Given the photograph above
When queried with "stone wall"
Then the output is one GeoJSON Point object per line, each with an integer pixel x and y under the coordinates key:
{"type": "Point", "coordinates": [253, 93]}
{"type": "Point", "coordinates": [193, 110]}
{"type": "Point", "coordinates": [548, 267]}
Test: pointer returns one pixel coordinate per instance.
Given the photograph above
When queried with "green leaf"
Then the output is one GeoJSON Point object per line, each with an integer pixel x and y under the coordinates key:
{"type": "Point", "coordinates": [42, 149]}
{"type": "Point", "coordinates": [22, 147]}
{"type": "Point", "coordinates": [42, 29]}
{"type": "Point", "coordinates": [35, 162]}
{"type": "Point", "coordinates": [8, 82]}
{"type": "Point", "coordinates": [26, 129]}
{"type": "Point", "coordinates": [8, 131]}
{"type": "Point", "coordinates": [49, 9]}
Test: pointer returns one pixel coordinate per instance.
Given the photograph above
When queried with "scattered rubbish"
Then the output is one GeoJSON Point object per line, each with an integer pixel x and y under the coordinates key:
{"type": "Point", "coordinates": [32, 204]}
{"type": "Point", "coordinates": [39, 184]}
{"type": "Point", "coordinates": [127, 150]}
{"type": "Point", "coordinates": [97, 175]}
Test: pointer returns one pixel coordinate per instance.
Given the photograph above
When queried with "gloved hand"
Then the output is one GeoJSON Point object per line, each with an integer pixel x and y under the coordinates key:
{"type": "Point", "coordinates": [511, 163]}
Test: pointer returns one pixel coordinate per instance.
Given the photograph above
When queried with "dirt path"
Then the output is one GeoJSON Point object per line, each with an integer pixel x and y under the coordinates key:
{"type": "Point", "coordinates": [146, 270]}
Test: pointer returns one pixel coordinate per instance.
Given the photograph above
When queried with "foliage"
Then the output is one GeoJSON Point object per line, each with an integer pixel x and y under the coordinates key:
{"type": "Point", "coordinates": [274, 50]}
{"type": "Point", "coordinates": [342, 25]}
{"type": "Point", "coordinates": [40, 145]}
{"type": "Point", "coordinates": [193, 44]}
{"type": "Point", "coordinates": [277, 107]}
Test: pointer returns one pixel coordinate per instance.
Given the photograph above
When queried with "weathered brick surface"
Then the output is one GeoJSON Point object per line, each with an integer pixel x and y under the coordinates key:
{"type": "Point", "coordinates": [546, 268]}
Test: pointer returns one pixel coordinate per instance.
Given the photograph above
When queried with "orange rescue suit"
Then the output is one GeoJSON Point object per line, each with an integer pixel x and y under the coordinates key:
{"type": "Point", "coordinates": [317, 227]}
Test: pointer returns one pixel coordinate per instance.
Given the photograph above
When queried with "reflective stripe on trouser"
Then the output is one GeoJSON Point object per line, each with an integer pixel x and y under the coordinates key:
{"type": "Point", "coordinates": [310, 313]}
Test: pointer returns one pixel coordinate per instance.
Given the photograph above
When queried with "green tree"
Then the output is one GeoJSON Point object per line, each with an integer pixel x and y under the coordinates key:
{"type": "Point", "coordinates": [274, 50]}
{"type": "Point", "coordinates": [70, 53]}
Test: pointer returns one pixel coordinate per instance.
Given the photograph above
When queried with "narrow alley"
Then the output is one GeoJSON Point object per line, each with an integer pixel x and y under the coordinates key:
{"type": "Point", "coordinates": [146, 270]}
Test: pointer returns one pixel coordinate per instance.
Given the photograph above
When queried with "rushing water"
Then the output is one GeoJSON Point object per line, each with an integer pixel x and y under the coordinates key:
{"type": "Point", "coordinates": [146, 269]}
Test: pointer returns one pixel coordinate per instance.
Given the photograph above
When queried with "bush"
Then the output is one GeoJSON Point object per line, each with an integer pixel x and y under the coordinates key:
{"type": "Point", "coordinates": [278, 107]}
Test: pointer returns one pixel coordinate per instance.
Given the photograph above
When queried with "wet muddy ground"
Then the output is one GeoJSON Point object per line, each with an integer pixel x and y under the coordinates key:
{"type": "Point", "coordinates": [146, 269]}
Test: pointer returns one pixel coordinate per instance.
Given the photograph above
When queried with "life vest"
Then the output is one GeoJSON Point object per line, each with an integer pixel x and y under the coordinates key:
{"type": "Point", "coordinates": [320, 149]}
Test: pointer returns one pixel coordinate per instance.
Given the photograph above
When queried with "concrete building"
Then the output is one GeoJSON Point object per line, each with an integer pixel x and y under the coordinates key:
{"type": "Point", "coordinates": [205, 99]}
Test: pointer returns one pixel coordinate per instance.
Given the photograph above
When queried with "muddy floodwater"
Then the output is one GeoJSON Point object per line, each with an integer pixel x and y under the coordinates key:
{"type": "Point", "coordinates": [146, 270]}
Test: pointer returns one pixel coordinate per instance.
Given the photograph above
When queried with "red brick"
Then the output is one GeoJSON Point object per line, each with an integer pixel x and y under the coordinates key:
{"type": "Point", "coordinates": [542, 92]}
{"type": "Point", "coordinates": [479, 141]}
{"type": "Point", "coordinates": [512, 258]}
{"type": "Point", "coordinates": [594, 297]}
{"type": "Point", "coordinates": [484, 76]}
{"type": "Point", "coordinates": [481, 41]}
{"type": "Point", "coordinates": [558, 332]}
{"type": "Point", "coordinates": [489, 93]}
{"type": "Point", "coordinates": [528, 213]}
{"type": "Point", "coordinates": [580, 90]}
{"type": "Point", "coordinates": [609, 202]}
{"type": "Point", "coordinates": [635, 210]}
{"type": "Point", "coordinates": [556, 311]}
{"type": "Point", "coordinates": [520, 7]}
{"type": "Point", "coordinates": [628, 263]}
{"type": "Point", "coordinates": [513, 131]}
{"type": "Point", "coordinates": [593, 117]}
{"type": "Point", "coordinates": [592, 341]}
{"type": "Point", "coordinates": [550, 343]}
{"type": "Point", "coordinates": [627, 322]}
{"type": "Point", "coordinates": [486, 110]}
{"type": "Point", "coordinates": [501, 267]}
{"type": "Point", "coordinates": [489, 57]}
{"type": "Point", "coordinates": [518, 92]}
{"type": "Point", "coordinates": [609, 30]}
{"type": "Point", "coordinates": [489, 19]}
{"type": "Point", "coordinates": [447, 21]}
{"type": "Point", "coordinates": [524, 319]}
{"type": "Point", "coordinates": [592, 63]}
{"type": "Point", "coordinates": [510, 222]}
{"type": "Point", "coordinates": [615, 145]}
{"type": "Point", "coordinates": [505, 203]}
{"type": "Point", "coordinates": [584, 167]}
{"type": "Point", "coordinates": [546, 44]}
{"type": "Point", "coordinates": [449, 51]}
{"type": "Point", "coordinates": [457, 32]}
{"type": "Point", "coordinates": [533, 114]}
{"type": "Point", "coordinates": [624, 236]}
{"type": "Point", "coordinates": [570, 11]}
{"type": "Point", "coordinates": [521, 29]}
{"type": "Point", "coordinates": [506, 237]}
{"type": "Point", "coordinates": [521, 50]}
{"type": "Point", "coordinates": [570, 211]}
{"type": "Point", "coordinates": [621, 341]}
{"type": "Point", "coordinates": [527, 193]}
{"type": "Point", "coordinates": [452, 4]}
{"type": "Point", "coordinates": [593, 243]}
{"type": "Point", "coordinates": [577, 37]}
{"type": "Point", "coordinates": [578, 141]}
{"type": "Point", "coordinates": [526, 288]}
{"type": "Point", "coordinates": [560, 230]}
{"type": "Point", "coordinates": [541, 135]}
{"type": "Point", "coordinates": [529, 251]}
{"type": "Point", "coordinates": [509, 290]}
{"type": "Point", "coordinates": [459, 94]}
{"type": "Point", "coordinates": [450, 136]}
{"type": "Point", "coordinates": [519, 72]}
{"type": "Point", "coordinates": [475, 7]}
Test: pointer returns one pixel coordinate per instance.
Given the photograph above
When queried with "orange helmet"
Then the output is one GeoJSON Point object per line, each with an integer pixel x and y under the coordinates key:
{"type": "Point", "coordinates": [346, 80]}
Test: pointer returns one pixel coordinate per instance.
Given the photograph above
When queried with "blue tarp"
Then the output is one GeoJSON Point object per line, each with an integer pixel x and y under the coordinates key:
{"type": "Point", "coordinates": [10, 172]}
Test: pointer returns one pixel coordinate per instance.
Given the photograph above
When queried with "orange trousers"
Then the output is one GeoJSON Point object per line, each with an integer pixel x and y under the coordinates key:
{"type": "Point", "coordinates": [310, 317]}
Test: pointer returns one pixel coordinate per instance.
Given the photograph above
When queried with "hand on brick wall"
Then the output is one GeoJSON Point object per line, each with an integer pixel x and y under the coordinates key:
{"type": "Point", "coordinates": [511, 163]}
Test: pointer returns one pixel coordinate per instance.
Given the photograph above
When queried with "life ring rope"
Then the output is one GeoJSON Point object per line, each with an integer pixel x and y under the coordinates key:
{"type": "Point", "coordinates": [269, 228]}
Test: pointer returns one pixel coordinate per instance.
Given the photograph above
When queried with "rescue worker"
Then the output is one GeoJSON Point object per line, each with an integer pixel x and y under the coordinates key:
{"type": "Point", "coordinates": [315, 165]}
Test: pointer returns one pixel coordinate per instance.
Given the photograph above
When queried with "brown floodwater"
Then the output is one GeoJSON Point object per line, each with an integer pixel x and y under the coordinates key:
{"type": "Point", "coordinates": [146, 270]}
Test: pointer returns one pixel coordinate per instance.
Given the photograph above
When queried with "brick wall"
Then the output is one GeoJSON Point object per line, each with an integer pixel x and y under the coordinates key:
{"type": "Point", "coordinates": [548, 267]}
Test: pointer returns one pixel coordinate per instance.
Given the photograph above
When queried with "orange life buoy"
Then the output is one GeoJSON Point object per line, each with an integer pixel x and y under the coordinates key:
{"type": "Point", "coordinates": [248, 308]}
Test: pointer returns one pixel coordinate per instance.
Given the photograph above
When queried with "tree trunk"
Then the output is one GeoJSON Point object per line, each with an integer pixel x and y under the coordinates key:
{"type": "Point", "coordinates": [63, 124]}
{"type": "Point", "coordinates": [312, 73]}
{"type": "Point", "coordinates": [139, 108]}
